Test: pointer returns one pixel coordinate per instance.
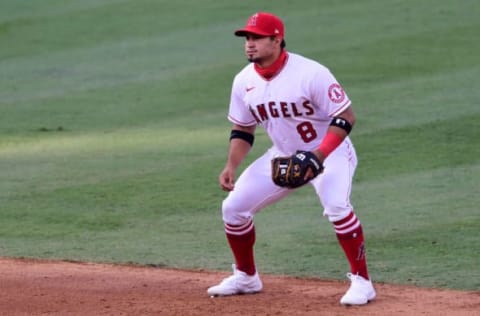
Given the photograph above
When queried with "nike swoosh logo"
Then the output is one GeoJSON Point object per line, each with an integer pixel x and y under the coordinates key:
{"type": "Point", "coordinates": [249, 89]}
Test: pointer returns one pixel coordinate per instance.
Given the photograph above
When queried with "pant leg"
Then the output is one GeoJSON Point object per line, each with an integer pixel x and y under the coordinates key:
{"type": "Point", "coordinates": [334, 188]}
{"type": "Point", "coordinates": [334, 185]}
{"type": "Point", "coordinates": [254, 190]}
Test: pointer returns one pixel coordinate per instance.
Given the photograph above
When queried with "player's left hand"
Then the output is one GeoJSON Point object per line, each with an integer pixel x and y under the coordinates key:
{"type": "Point", "coordinates": [294, 171]}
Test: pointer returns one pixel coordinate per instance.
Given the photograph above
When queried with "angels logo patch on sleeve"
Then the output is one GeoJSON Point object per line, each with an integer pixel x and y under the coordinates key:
{"type": "Point", "coordinates": [336, 93]}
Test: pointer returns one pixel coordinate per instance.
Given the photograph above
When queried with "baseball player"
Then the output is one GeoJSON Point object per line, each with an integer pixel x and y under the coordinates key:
{"type": "Point", "coordinates": [308, 117]}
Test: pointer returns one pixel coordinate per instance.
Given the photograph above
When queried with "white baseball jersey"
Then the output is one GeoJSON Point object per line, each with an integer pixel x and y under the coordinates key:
{"type": "Point", "coordinates": [295, 107]}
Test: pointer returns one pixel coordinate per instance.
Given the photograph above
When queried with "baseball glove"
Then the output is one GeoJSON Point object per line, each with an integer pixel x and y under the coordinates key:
{"type": "Point", "coordinates": [290, 172]}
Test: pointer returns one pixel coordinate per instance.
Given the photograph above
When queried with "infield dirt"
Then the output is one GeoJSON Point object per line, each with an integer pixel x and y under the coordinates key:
{"type": "Point", "coordinates": [33, 287]}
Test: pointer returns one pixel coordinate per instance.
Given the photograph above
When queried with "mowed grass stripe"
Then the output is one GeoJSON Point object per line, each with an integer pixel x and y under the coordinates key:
{"type": "Point", "coordinates": [433, 145]}
{"type": "Point", "coordinates": [405, 150]}
{"type": "Point", "coordinates": [397, 204]}
{"type": "Point", "coordinates": [15, 10]}
{"type": "Point", "coordinates": [114, 64]}
{"type": "Point", "coordinates": [122, 140]}
{"type": "Point", "coordinates": [93, 23]}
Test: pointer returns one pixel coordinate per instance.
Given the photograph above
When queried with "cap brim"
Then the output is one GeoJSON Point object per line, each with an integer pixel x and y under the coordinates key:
{"type": "Point", "coordinates": [246, 30]}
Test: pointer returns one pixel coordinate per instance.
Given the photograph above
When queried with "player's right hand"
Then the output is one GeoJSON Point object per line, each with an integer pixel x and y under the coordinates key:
{"type": "Point", "coordinates": [227, 179]}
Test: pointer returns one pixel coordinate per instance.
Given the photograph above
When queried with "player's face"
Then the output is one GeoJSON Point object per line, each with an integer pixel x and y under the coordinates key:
{"type": "Point", "coordinates": [262, 50]}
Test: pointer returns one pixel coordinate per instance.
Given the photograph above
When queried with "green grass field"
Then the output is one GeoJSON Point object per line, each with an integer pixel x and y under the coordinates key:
{"type": "Point", "coordinates": [113, 130]}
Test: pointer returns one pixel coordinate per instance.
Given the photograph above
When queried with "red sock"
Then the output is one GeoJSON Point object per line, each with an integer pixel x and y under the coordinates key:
{"type": "Point", "coordinates": [241, 239]}
{"type": "Point", "coordinates": [350, 236]}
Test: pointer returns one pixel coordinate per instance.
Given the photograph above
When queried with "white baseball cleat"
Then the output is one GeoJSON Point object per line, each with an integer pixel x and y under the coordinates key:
{"type": "Point", "coordinates": [361, 291]}
{"type": "Point", "coordinates": [238, 283]}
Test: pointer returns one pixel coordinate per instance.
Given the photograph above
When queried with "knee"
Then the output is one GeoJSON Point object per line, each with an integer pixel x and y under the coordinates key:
{"type": "Point", "coordinates": [336, 211]}
{"type": "Point", "coordinates": [233, 214]}
{"type": "Point", "coordinates": [335, 208]}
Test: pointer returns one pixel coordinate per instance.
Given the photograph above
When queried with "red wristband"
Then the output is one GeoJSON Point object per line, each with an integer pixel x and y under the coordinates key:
{"type": "Point", "coordinates": [329, 143]}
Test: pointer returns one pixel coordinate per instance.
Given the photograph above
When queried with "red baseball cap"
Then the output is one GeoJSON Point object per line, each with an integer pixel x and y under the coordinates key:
{"type": "Point", "coordinates": [263, 24]}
